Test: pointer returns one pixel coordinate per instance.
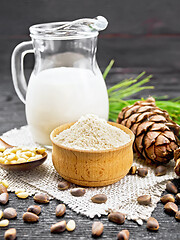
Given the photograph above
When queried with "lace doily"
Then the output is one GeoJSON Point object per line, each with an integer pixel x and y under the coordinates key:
{"type": "Point", "coordinates": [122, 196]}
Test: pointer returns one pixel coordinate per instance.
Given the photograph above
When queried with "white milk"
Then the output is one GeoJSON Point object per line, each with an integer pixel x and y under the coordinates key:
{"type": "Point", "coordinates": [61, 95]}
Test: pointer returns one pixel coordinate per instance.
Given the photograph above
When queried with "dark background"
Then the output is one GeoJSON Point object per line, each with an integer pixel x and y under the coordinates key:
{"type": "Point", "coordinates": [142, 35]}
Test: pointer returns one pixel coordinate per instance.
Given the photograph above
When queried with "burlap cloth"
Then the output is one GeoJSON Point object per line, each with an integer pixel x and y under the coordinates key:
{"type": "Point", "coordinates": [122, 196]}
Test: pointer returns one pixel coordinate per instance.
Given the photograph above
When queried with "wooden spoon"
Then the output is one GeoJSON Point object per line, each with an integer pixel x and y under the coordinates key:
{"type": "Point", "coordinates": [21, 166]}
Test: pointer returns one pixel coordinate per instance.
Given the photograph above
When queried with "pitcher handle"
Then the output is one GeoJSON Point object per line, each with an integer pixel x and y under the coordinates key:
{"type": "Point", "coordinates": [17, 68]}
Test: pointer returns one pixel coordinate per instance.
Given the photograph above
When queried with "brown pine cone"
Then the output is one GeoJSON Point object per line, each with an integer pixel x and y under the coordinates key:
{"type": "Point", "coordinates": [177, 160]}
{"type": "Point", "coordinates": [155, 133]}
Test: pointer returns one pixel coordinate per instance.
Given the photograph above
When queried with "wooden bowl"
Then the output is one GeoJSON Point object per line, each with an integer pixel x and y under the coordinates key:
{"type": "Point", "coordinates": [92, 168]}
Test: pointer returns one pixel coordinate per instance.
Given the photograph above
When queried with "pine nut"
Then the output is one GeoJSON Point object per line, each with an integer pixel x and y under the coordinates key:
{"type": "Point", "coordinates": [10, 213]}
{"type": "Point", "coordinates": [116, 217]}
{"type": "Point", "coordinates": [41, 198]}
{"type": "Point", "coordinates": [4, 223]}
{"type": "Point", "coordinates": [144, 200]}
{"type": "Point", "coordinates": [167, 198]}
{"type": "Point", "coordinates": [63, 185]}
{"type": "Point", "coordinates": [142, 172]}
{"type": "Point", "coordinates": [1, 214]}
{"type": "Point", "coordinates": [30, 217]}
{"type": "Point", "coordinates": [20, 190]}
{"type": "Point", "coordinates": [99, 198]}
{"type": "Point", "coordinates": [34, 209]}
{"type": "Point", "coordinates": [5, 183]}
{"type": "Point", "coordinates": [123, 235]}
{"type": "Point", "coordinates": [3, 189]}
{"type": "Point", "coordinates": [71, 225]}
{"type": "Point", "coordinates": [178, 198]}
{"type": "Point", "coordinates": [160, 170]}
{"type": "Point", "coordinates": [97, 229]}
{"type": "Point", "coordinates": [152, 224]}
{"type": "Point", "coordinates": [170, 208]}
{"type": "Point", "coordinates": [22, 195]}
{"type": "Point", "coordinates": [58, 227]}
{"type": "Point", "coordinates": [60, 210]}
{"type": "Point", "coordinates": [2, 149]}
{"type": "Point", "coordinates": [4, 198]}
{"type": "Point", "coordinates": [170, 187]}
{"type": "Point", "coordinates": [78, 192]}
{"type": "Point", "coordinates": [10, 234]}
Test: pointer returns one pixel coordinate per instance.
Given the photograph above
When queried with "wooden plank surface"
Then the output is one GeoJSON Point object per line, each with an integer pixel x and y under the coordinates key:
{"type": "Point", "coordinates": [12, 115]}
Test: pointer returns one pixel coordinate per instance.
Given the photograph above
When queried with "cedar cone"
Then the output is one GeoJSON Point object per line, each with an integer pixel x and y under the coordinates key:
{"type": "Point", "coordinates": [177, 160]}
{"type": "Point", "coordinates": [155, 133]}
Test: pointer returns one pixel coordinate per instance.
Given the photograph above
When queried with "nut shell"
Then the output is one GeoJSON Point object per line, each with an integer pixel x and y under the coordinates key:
{"type": "Point", "coordinates": [167, 198]}
{"type": "Point", "coordinates": [10, 213]}
{"type": "Point", "coordinates": [170, 187]}
{"type": "Point", "coordinates": [97, 229]}
{"type": "Point", "coordinates": [58, 227]}
{"type": "Point", "coordinates": [160, 170]}
{"type": "Point", "coordinates": [34, 209]}
{"type": "Point", "coordinates": [78, 192]}
{"type": "Point", "coordinates": [99, 198]}
{"type": "Point", "coordinates": [123, 235]}
{"type": "Point", "coordinates": [60, 210]}
{"type": "Point", "coordinates": [170, 208]}
{"type": "Point", "coordinates": [116, 217]}
{"type": "Point", "coordinates": [152, 224]}
{"type": "Point", "coordinates": [41, 198]}
{"type": "Point", "coordinates": [10, 234]}
{"type": "Point", "coordinates": [30, 217]}
{"type": "Point", "coordinates": [144, 199]}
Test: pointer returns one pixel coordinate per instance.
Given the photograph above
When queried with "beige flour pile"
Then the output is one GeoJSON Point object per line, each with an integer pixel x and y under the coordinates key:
{"type": "Point", "coordinates": [92, 133]}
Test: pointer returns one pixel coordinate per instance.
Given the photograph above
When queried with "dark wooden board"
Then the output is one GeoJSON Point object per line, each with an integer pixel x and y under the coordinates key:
{"type": "Point", "coordinates": [169, 227]}
{"type": "Point", "coordinates": [12, 115]}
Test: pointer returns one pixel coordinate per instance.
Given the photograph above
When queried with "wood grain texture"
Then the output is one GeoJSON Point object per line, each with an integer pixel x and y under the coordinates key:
{"type": "Point", "coordinates": [12, 115]}
{"type": "Point", "coordinates": [92, 168]}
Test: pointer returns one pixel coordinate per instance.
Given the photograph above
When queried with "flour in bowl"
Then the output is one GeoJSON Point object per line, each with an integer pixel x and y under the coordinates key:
{"type": "Point", "coordinates": [92, 133]}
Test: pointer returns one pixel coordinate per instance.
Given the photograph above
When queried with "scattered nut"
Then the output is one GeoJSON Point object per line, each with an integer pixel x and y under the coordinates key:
{"type": "Point", "coordinates": [170, 187]}
{"type": "Point", "coordinates": [5, 183]}
{"type": "Point", "coordinates": [41, 198]}
{"type": "Point", "coordinates": [144, 199]}
{"type": "Point", "coordinates": [63, 185]}
{"type": "Point", "coordinates": [160, 170]}
{"type": "Point", "coordinates": [142, 172]}
{"type": "Point", "coordinates": [58, 227]}
{"type": "Point", "coordinates": [30, 217]}
{"type": "Point", "coordinates": [10, 234]}
{"type": "Point", "coordinates": [10, 213]}
{"type": "Point", "coordinates": [133, 170]}
{"type": "Point", "coordinates": [170, 208]}
{"type": "Point", "coordinates": [60, 210]}
{"type": "Point", "coordinates": [116, 217]}
{"type": "Point", "coordinates": [123, 235]}
{"type": "Point", "coordinates": [78, 192]}
{"type": "Point", "coordinates": [22, 195]}
{"type": "Point", "coordinates": [99, 198]}
{"type": "Point", "coordinates": [20, 190]}
{"type": "Point", "coordinates": [152, 224]}
{"type": "Point", "coordinates": [178, 198]}
{"type": "Point", "coordinates": [71, 225]}
{"type": "Point", "coordinates": [3, 189]}
{"type": "Point", "coordinates": [97, 229]}
{"type": "Point", "coordinates": [167, 198]}
{"type": "Point", "coordinates": [34, 209]}
{"type": "Point", "coordinates": [4, 223]}
{"type": "Point", "coordinates": [1, 214]}
{"type": "Point", "coordinates": [4, 198]}
{"type": "Point", "coordinates": [177, 216]}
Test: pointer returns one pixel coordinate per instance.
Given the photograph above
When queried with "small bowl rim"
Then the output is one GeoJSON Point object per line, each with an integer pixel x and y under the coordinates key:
{"type": "Point", "coordinates": [122, 127]}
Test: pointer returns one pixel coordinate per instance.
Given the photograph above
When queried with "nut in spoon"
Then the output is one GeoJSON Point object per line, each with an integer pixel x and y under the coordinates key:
{"type": "Point", "coordinates": [21, 166]}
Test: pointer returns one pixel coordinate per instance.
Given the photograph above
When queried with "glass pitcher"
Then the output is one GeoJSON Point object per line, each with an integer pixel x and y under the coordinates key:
{"type": "Point", "coordinates": [66, 82]}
